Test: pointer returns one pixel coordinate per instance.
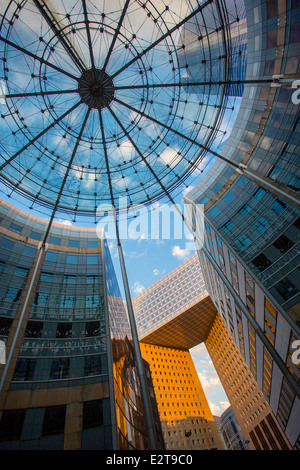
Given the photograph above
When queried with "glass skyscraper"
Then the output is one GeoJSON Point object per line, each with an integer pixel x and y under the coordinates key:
{"type": "Point", "coordinates": [70, 381]}
{"type": "Point", "coordinates": [249, 254]}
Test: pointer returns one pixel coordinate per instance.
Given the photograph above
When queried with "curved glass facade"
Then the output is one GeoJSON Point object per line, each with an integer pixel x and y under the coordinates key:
{"type": "Point", "coordinates": [70, 350]}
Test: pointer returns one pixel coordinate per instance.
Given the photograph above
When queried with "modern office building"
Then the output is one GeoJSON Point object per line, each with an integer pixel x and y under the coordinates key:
{"type": "Point", "coordinates": [194, 55]}
{"type": "Point", "coordinates": [71, 381]}
{"type": "Point", "coordinates": [166, 347]}
{"type": "Point", "coordinates": [249, 249]}
{"type": "Point", "coordinates": [97, 117]}
{"type": "Point", "coordinates": [231, 432]}
{"type": "Point", "coordinates": [258, 424]}
{"type": "Point", "coordinates": [186, 420]}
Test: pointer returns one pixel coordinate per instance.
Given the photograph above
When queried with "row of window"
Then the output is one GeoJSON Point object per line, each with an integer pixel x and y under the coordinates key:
{"type": "Point", "coordinates": [54, 419]}
{"type": "Point", "coordinates": [60, 368]}
{"type": "Point", "coordinates": [72, 243]}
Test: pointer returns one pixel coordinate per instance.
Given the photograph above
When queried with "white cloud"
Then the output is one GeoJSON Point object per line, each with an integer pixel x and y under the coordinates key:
{"type": "Point", "coordinates": [63, 221]}
{"type": "Point", "coordinates": [218, 408]}
{"type": "Point", "coordinates": [155, 272]}
{"type": "Point", "coordinates": [180, 253]}
{"type": "Point", "coordinates": [138, 287]}
{"type": "Point", "coordinates": [209, 381]}
{"type": "Point", "coordinates": [170, 156]}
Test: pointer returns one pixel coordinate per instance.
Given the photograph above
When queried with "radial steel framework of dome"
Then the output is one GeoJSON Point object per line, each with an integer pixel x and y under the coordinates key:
{"type": "Point", "coordinates": [100, 102]}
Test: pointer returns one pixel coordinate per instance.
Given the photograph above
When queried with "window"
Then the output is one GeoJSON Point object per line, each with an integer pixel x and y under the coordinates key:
{"type": "Point", "coordinates": [244, 210]}
{"type": "Point", "coordinates": [5, 324]}
{"type": "Point", "coordinates": [54, 420]}
{"type": "Point", "coordinates": [74, 243]}
{"type": "Point", "coordinates": [22, 272]}
{"type": "Point", "coordinates": [46, 276]}
{"type": "Point", "coordinates": [242, 241]}
{"type": "Point", "coordinates": [283, 244]}
{"type": "Point", "coordinates": [92, 365]}
{"type": "Point", "coordinates": [286, 289]}
{"type": "Point", "coordinates": [29, 251]}
{"type": "Point", "coordinates": [35, 235]}
{"type": "Point", "coordinates": [92, 244]}
{"type": "Point", "coordinates": [261, 262]}
{"type": "Point", "coordinates": [55, 240]}
{"type": "Point", "coordinates": [227, 226]}
{"type": "Point", "coordinates": [15, 228]}
{"type": "Point", "coordinates": [73, 259]}
{"type": "Point", "coordinates": [92, 300]}
{"type": "Point", "coordinates": [92, 279]}
{"type": "Point", "coordinates": [295, 33]}
{"type": "Point", "coordinates": [92, 414]}
{"type": "Point", "coordinates": [92, 259]}
{"type": "Point", "coordinates": [60, 368]}
{"type": "Point", "coordinates": [261, 225]}
{"type": "Point", "coordinates": [294, 183]}
{"type": "Point", "coordinates": [34, 329]}
{"type": "Point", "coordinates": [272, 8]}
{"type": "Point", "coordinates": [7, 244]}
{"type": "Point", "coordinates": [51, 256]}
{"type": "Point", "coordinates": [92, 328]}
{"type": "Point", "coordinates": [67, 301]}
{"type": "Point", "coordinates": [214, 212]}
{"type": "Point", "coordinates": [229, 197]}
{"type": "Point", "coordinates": [11, 425]}
{"type": "Point", "coordinates": [272, 39]}
{"type": "Point", "coordinates": [12, 294]}
{"type": "Point", "coordinates": [24, 369]}
{"type": "Point", "coordinates": [278, 206]}
{"type": "Point", "coordinates": [259, 193]}
{"type": "Point", "coordinates": [69, 279]}
{"type": "Point", "coordinates": [64, 330]}
{"type": "Point", "coordinates": [41, 299]}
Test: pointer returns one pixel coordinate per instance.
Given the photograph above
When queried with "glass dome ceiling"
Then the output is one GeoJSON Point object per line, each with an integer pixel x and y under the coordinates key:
{"type": "Point", "coordinates": [110, 99]}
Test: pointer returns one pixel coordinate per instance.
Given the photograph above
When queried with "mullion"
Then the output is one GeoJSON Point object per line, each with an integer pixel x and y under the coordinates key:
{"type": "Point", "coordinates": [67, 174]}
{"type": "Point", "coordinates": [37, 93]}
{"type": "Point", "coordinates": [117, 31]}
{"type": "Point", "coordinates": [64, 41]}
{"type": "Point", "coordinates": [88, 33]}
{"type": "Point", "coordinates": [185, 137]}
{"type": "Point", "coordinates": [204, 83]}
{"type": "Point", "coordinates": [139, 152]}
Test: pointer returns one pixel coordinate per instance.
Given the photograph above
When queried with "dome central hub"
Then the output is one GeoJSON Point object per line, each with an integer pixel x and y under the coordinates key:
{"type": "Point", "coordinates": [96, 88]}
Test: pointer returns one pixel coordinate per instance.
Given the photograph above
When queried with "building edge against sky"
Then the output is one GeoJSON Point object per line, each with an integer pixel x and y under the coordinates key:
{"type": "Point", "coordinates": [250, 257]}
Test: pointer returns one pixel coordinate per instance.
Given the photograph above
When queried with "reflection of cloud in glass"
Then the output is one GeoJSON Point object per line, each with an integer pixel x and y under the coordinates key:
{"type": "Point", "coordinates": [2, 92]}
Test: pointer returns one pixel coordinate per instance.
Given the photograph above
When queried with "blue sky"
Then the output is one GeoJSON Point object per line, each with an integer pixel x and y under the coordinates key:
{"type": "Point", "coordinates": [149, 260]}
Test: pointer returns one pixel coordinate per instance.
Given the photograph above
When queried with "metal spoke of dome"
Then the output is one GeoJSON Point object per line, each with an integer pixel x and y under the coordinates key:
{"type": "Point", "coordinates": [50, 19]}
{"type": "Point", "coordinates": [36, 57]}
{"type": "Point", "coordinates": [163, 37]}
{"type": "Point", "coordinates": [139, 60]}
{"type": "Point", "coordinates": [116, 34]}
{"type": "Point", "coordinates": [88, 33]}
{"type": "Point", "coordinates": [195, 84]}
{"type": "Point", "coordinates": [66, 175]}
{"type": "Point", "coordinates": [37, 137]}
{"type": "Point", "coordinates": [158, 180]}
{"type": "Point", "coordinates": [293, 199]}
{"type": "Point", "coordinates": [37, 93]}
